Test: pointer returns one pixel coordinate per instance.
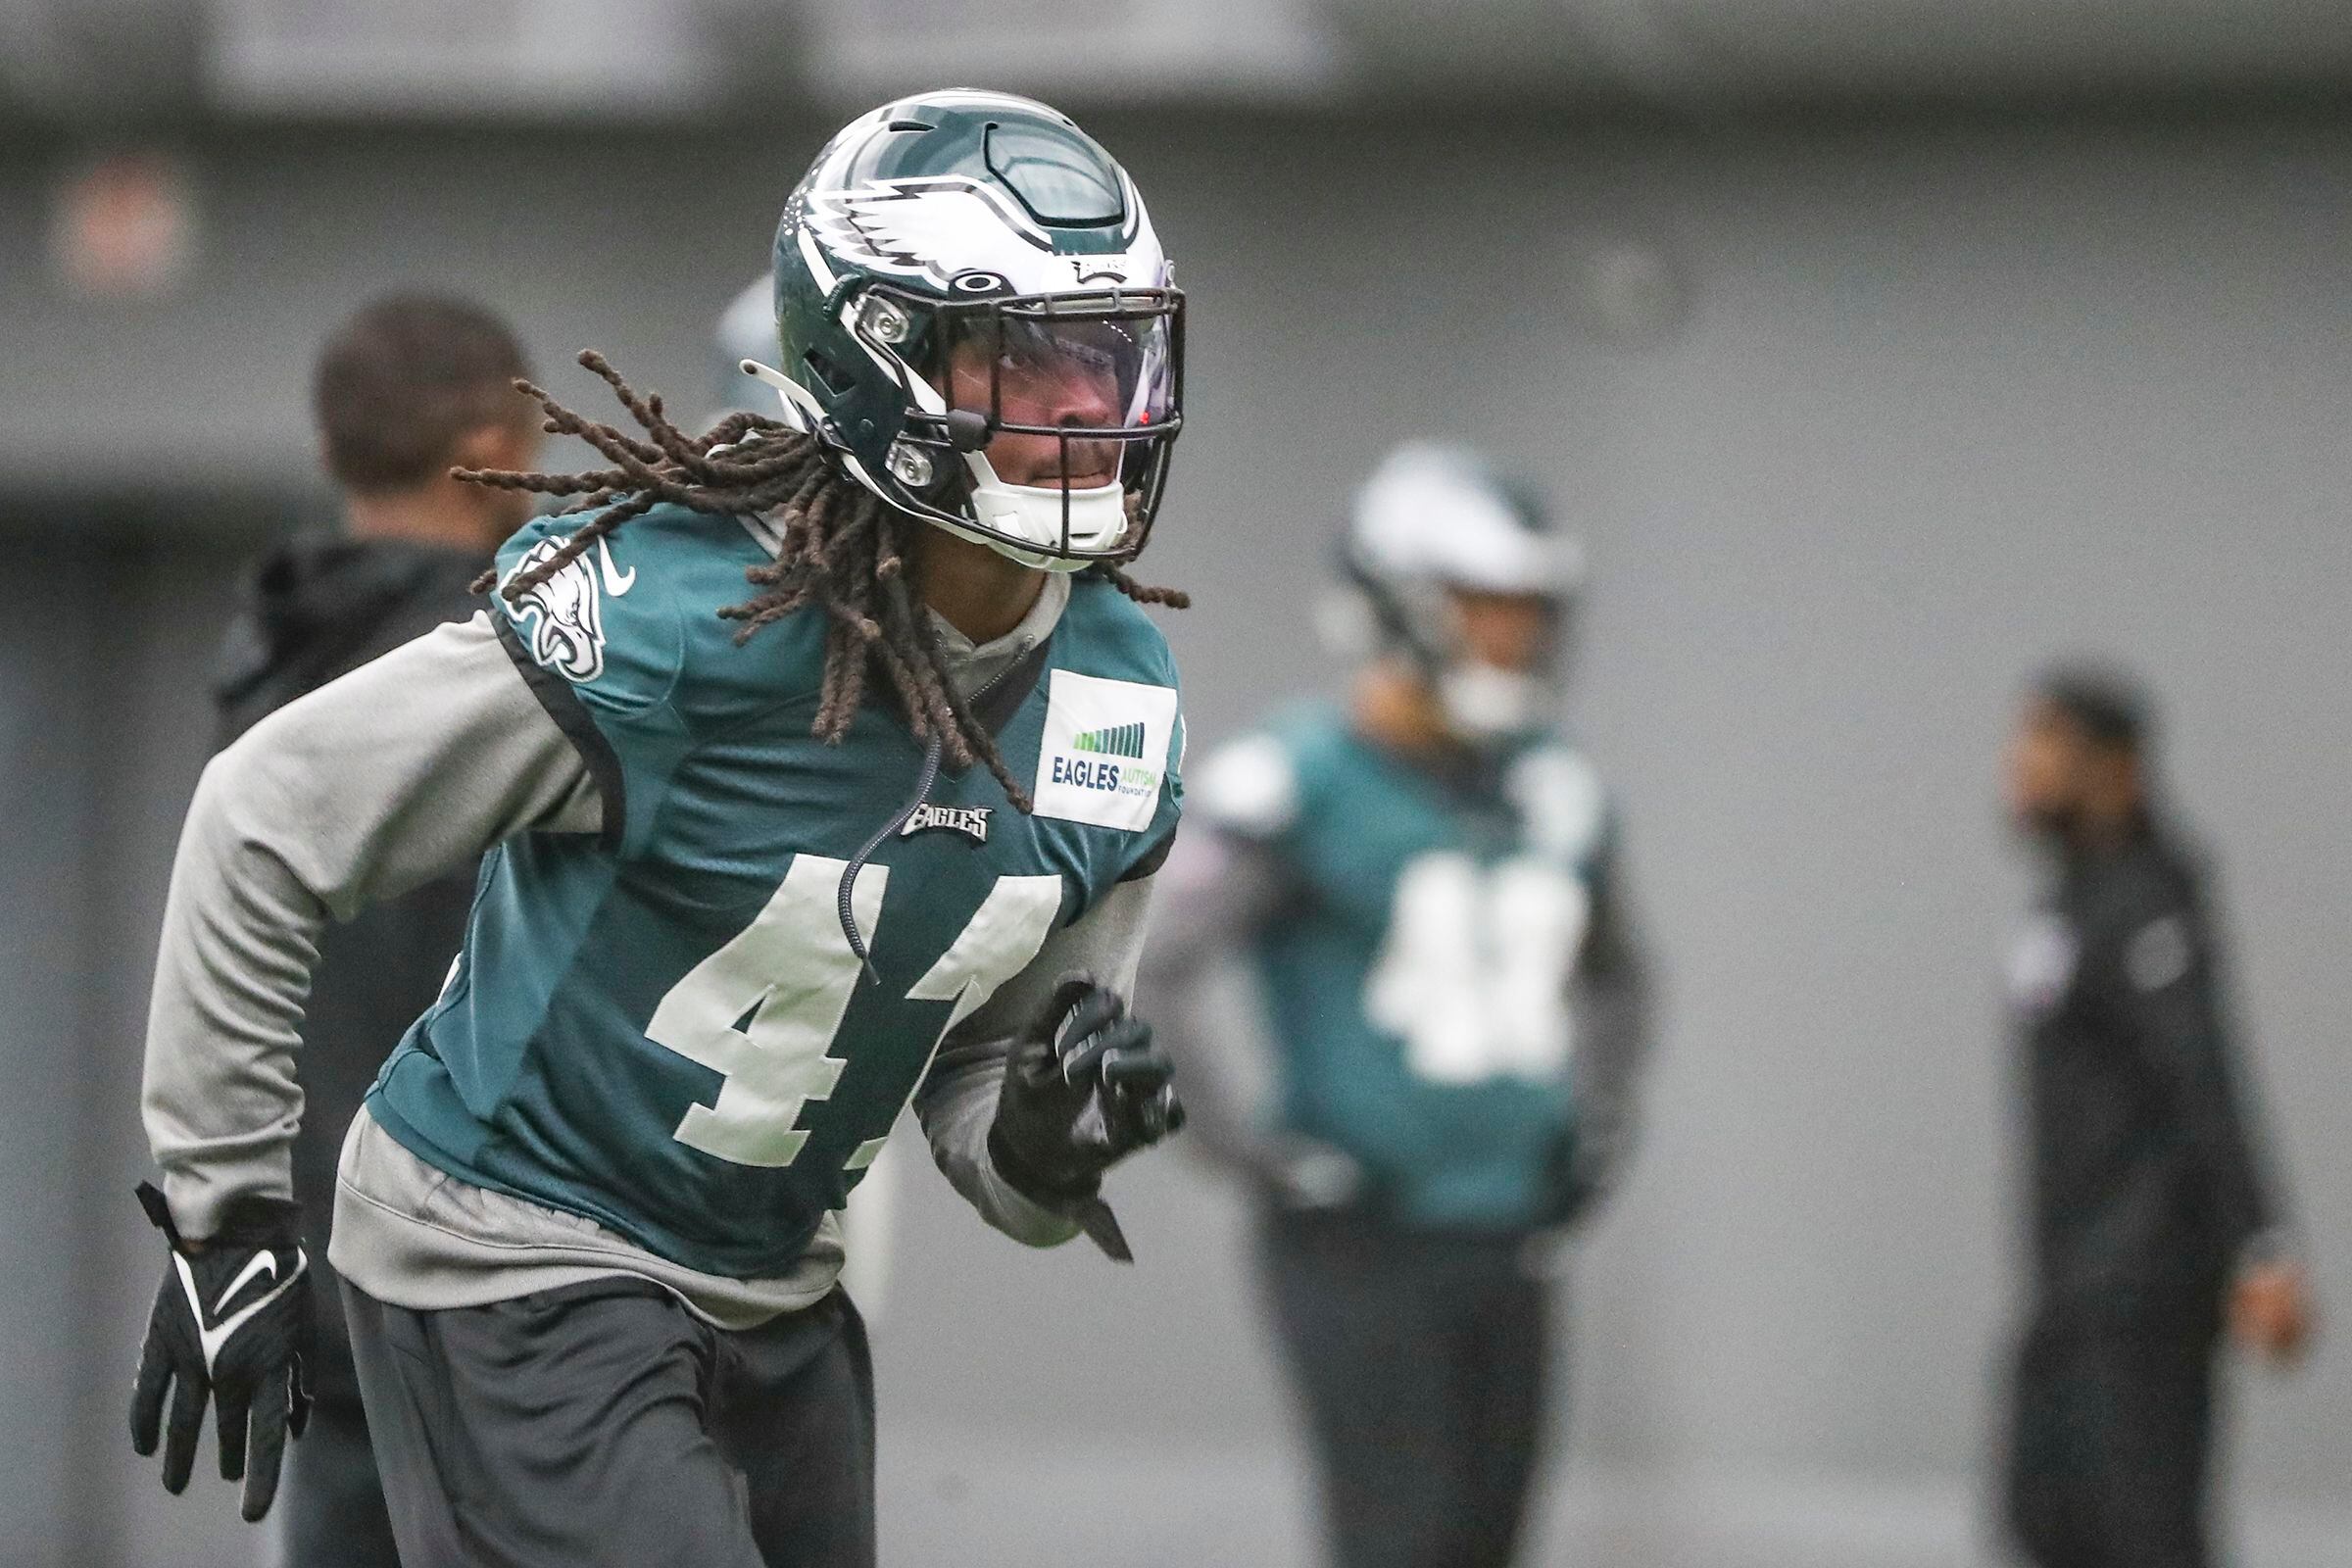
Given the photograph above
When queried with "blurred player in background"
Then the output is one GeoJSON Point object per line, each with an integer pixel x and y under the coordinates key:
{"type": "Point", "coordinates": [824, 762]}
{"type": "Point", "coordinates": [2153, 1220]}
{"type": "Point", "coordinates": [1426, 882]}
{"type": "Point", "coordinates": [406, 389]}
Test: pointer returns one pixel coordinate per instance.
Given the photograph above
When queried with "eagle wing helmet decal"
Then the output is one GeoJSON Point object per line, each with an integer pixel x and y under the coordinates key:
{"type": "Point", "coordinates": [942, 228]}
{"type": "Point", "coordinates": [564, 615]}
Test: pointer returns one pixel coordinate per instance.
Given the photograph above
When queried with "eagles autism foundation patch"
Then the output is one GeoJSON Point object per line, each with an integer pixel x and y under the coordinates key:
{"type": "Point", "coordinates": [1104, 750]}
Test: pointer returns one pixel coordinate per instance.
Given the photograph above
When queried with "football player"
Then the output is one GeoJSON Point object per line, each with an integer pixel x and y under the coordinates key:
{"type": "Point", "coordinates": [1424, 881]}
{"type": "Point", "coordinates": [823, 761]}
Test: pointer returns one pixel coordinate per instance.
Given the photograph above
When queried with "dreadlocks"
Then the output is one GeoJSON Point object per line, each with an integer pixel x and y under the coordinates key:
{"type": "Point", "coordinates": [843, 551]}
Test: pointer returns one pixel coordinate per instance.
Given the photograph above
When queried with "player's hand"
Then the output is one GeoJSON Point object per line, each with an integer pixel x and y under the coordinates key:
{"type": "Point", "coordinates": [1084, 1088]}
{"type": "Point", "coordinates": [1576, 1179]}
{"type": "Point", "coordinates": [232, 1324]}
{"type": "Point", "coordinates": [1307, 1174]}
{"type": "Point", "coordinates": [2271, 1311]}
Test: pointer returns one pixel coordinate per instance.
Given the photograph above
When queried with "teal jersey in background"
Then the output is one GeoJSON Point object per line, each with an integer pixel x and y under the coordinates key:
{"type": "Point", "coordinates": [1416, 971]}
{"type": "Point", "coordinates": [665, 1028]}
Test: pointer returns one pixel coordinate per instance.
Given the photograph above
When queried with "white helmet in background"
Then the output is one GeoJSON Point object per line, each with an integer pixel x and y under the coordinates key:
{"type": "Point", "coordinates": [1434, 518]}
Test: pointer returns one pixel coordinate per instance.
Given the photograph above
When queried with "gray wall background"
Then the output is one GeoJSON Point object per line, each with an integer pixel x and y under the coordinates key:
{"type": "Point", "coordinates": [1861, 417]}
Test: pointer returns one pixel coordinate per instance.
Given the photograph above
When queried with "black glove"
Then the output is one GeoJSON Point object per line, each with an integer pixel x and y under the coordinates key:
{"type": "Point", "coordinates": [1577, 1180]}
{"type": "Point", "coordinates": [1084, 1088]}
{"type": "Point", "coordinates": [232, 1322]}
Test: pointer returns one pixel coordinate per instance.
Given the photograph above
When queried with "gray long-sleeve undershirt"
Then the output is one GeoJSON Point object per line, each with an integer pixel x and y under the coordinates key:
{"type": "Point", "coordinates": [404, 769]}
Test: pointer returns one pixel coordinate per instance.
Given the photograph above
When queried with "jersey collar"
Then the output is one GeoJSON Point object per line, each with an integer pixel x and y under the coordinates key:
{"type": "Point", "coordinates": [999, 675]}
{"type": "Point", "coordinates": [973, 664]}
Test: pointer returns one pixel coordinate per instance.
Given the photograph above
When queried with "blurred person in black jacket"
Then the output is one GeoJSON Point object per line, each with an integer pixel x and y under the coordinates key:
{"type": "Point", "coordinates": [2154, 1221]}
{"type": "Point", "coordinates": [410, 387]}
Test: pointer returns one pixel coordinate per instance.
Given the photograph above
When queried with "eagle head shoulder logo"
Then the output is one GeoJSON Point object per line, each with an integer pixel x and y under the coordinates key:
{"type": "Point", "coordinates": [563, 616]}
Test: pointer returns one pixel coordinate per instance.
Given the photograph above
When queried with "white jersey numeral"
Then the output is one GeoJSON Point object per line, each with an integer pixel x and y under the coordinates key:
{"type": "Point", "coordinates": [765, 1009]}
{"type": "Point", "coordinates": [1474, 973]}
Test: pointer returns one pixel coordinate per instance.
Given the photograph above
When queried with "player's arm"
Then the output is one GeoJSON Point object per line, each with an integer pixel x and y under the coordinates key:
{"type": "Point", "coordinates": [1052, 1080]}
{"type": "Point", "coordinates": [2163, 968]}
{"type": "Point", "coordinates": [406, 769]}
{"type": "Point", "coordinates": [1224, 882]}
{"type": "Point", "coordinates": [1613, 998]}
{"type": "Point", "coordinates": [1219, 889]}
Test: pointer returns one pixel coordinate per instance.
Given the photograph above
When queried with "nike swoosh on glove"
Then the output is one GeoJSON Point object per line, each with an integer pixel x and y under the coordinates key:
{"type": "Point", "coordinates": [231, 1323]}
{"type": "Point", "coordinates": [1084, 1088]}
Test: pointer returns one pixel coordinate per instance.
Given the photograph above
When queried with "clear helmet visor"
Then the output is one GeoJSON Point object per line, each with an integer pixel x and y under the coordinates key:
{"type": "Point", "coordinates": [1071, 400]}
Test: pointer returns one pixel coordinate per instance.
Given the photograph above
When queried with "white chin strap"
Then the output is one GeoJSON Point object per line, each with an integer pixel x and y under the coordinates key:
{"type": "Point", "coordinates": [1033, 514]}
{"type": "Point", "coordinates": [1483, 703]}
{"type": "Point", "coordinates": [1030, 513]}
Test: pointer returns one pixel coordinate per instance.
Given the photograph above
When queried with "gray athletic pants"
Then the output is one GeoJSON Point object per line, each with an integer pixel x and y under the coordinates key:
{"type": "Point", "coordinates": [330, 1506]}
{"type": "Point", "coordinates": [605, 1426]}
{"type": "Point", "coordinates": [1423, 1361]}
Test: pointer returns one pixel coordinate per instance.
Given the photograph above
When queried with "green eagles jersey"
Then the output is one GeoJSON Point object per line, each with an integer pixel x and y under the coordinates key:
{"type": "Point", "coordinates": [666, 1028]}
{"type": "Point", "coordinates": [1416, 972]}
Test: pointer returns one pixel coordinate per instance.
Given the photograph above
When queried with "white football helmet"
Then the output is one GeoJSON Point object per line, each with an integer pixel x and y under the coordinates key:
{"type": "Point", "coordinates": [1434, 518]}
{"type": "Point", "coordinates": [946, 252]}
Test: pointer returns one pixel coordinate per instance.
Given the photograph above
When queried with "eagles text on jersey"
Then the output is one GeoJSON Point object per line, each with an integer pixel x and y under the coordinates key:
{"type": "Point", "coordinates": [667, 1029]}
